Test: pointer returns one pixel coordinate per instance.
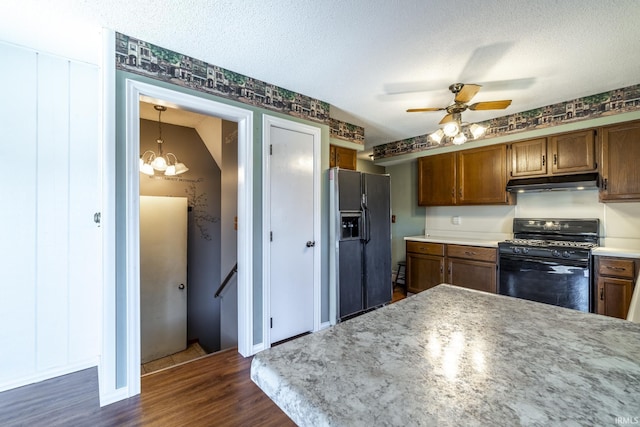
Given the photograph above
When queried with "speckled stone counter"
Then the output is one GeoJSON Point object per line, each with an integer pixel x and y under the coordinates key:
{"type": "Point", "coordinates": [454, 357]}
{"type": "Point", "coordinates": [454, 240]}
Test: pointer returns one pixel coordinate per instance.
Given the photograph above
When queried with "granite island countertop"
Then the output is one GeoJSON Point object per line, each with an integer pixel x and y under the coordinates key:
{"type": "Point", "coordinates": [450, 356]}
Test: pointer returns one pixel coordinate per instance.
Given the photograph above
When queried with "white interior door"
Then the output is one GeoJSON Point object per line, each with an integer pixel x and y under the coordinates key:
{"type": "Point", "coordinates": [291, 166]}
{"type": "Point", "coordinates": [163, 276]}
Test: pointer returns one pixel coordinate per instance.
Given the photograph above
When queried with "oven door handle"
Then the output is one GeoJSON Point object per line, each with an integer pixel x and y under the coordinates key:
{"type": "Point", "coordinates": [581, 263]}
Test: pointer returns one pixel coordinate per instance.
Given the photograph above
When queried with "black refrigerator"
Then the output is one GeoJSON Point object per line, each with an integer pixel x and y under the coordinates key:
{"type": "Point", "coordinates": [360, 242]}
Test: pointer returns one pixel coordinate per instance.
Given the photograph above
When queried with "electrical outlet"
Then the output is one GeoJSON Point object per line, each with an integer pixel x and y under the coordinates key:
{"type": "Point", "coordinates": [455, 220]}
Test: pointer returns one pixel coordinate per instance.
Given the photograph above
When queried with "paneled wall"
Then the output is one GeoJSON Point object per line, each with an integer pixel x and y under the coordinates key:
{"type": "Point", "coordinates": [50, 248]}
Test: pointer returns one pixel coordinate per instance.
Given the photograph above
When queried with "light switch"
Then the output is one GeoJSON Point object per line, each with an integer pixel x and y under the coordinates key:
{"type": "Point", "coordinates": [455, 220]}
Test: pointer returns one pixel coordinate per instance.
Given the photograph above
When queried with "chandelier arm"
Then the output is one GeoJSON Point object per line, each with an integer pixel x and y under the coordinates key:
{"type": "Point", "coordinates": [175, 159]}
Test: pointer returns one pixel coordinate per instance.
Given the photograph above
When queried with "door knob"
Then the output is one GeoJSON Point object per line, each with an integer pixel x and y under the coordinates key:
{"type": "Point", "coordinates": [310, 244]}
{"type": "Point", "coordinates": [181, 286]}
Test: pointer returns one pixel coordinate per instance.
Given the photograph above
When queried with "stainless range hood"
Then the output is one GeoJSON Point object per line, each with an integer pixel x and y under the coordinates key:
{"type": "Point", "coordinates": [554, 183]}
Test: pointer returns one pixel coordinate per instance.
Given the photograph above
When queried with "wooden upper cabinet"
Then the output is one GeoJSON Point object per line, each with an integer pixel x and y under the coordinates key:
{"type": "Point", "coordinates": [619, 170]}
{"type": "Point", "coordinates": [469, 177]}
{"type": "Point", "coordinates": [567, 153]}
{"type": "Point", "coordinates": [342, 157]}
{"type": "Point", "coordinates": [529, 158]}
{"type": "Point", "coordinates": [437, 180]}
{"type": "Point", "coordinates": [482, 176]}
{"type": "Point", "coordinates": [573, 152]}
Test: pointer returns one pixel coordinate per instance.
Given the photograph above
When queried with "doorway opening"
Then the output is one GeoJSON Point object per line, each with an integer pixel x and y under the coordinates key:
{"type": "Point", "coordinates": [137, 91]}
{"type": "Point", "coordinates": [183, 315]}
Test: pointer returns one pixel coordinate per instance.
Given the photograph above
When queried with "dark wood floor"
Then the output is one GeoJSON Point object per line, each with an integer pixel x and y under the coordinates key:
{"type": "Point", "coordinates": [215, 390]}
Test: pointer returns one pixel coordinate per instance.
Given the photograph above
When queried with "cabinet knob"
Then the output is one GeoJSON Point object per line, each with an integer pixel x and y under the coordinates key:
{"type": "Point", "coordinates": [544, 159]}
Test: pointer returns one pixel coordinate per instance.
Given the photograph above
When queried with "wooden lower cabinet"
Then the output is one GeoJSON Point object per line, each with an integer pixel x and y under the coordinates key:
{"type": "Point", "coordinates": [615, 280]}
{"type": "Point", "coordinates": [424, 272]}
{"type": "Point", "coordinates": [472, 267]}
{"type": "Point", "coordinates": [477, 275]}
{"type": "Point", "coordinates": [425, 265]}
{"type": "Point", "coordinates": [466, 266]}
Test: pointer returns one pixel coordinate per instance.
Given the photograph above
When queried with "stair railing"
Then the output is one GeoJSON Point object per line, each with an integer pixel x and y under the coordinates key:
{"type": "Point", "coordinates": [226, 280]}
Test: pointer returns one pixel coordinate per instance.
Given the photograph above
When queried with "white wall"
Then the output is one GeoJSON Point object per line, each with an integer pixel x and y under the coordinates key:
{"type": "Point", "coordinates": [51, 276]}
{"type": "Point", "coordinates": [619, 222]}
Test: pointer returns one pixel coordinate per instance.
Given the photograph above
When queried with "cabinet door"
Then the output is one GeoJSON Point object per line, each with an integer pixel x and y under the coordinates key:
{"type": "Point", "coordinates": [332, 156]}
{"type": "Point", "coordinates": [424, 272]}
{"type": "Point", "coordinates": [619, 166]}
{"type": "Point", "coordinates": [573, 152]}
{"type": "Point", "coordinates": [477, 275]}
{"type": "Point", "coordinates": [436, 180]}
{"type": "Point", "coordinates": [482, 176]}
{"type": "Point", "coordinates": [614, 296]}
{"type": "Point", "coordinates": [342, 157]}
{"type": "Point", "coordinates": [529, 158]}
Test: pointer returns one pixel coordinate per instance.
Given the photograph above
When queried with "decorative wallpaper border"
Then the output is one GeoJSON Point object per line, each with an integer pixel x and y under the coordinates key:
{"type": "Point", "coordinates": [346, 131]}
{"type": "Point", "coordinates": [589, 107]}
{"type": "Point", "coordinates": [146, 59]}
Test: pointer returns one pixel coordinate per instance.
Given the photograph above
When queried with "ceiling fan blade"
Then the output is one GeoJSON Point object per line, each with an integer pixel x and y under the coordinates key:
{"type": "Point", "coordinates": [467, 92]}
{"type": "Point", "coordinates": [446, 119]}
{"type": "Point", "coordinates": [419, 110]}
{"type": "Point", "coordinates": [490, 105]}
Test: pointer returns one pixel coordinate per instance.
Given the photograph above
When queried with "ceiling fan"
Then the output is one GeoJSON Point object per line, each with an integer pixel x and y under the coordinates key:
{"type": "Point", "coordinates": [463, 93]}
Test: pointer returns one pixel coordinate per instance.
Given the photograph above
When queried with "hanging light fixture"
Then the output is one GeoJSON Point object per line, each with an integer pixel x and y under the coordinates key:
{"type": "Point", "coordinates": [457, 132]}
{"type": "Point", "coordinates": [169, 163]}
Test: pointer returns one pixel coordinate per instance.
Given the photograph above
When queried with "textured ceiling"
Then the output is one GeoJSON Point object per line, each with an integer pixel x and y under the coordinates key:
{"type": "Point", "coordinates": [373, 59]}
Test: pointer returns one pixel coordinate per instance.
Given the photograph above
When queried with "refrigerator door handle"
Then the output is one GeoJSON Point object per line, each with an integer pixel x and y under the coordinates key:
{"type": "Point", "coordinates": [366, 219]}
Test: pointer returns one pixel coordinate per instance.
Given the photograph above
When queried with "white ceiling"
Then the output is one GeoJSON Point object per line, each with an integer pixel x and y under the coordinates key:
{"type": "Point", "coordinates": [373, 59]}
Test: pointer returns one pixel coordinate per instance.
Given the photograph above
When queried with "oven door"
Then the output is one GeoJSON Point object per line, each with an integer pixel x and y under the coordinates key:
{"type": "Point", "coordinates": [564, 283]}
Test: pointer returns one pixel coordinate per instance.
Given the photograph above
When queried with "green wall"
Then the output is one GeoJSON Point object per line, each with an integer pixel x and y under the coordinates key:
{"type": "Point", "coordinates": [410, 218]}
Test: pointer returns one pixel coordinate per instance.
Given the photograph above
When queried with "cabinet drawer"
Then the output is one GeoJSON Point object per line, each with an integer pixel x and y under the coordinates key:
{"type": "Point", "coordinates": [623, 268]}
{"type": "Point", "coordinates": [472, 252]}
{"type": "Point", "coordinates": [426, 248]}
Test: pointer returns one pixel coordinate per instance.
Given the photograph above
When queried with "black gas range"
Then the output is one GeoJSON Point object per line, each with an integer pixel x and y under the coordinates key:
{"type": "Point", "coordinates": [549, 261]}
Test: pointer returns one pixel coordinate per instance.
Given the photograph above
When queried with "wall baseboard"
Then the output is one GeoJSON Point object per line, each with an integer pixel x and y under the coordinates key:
{"type": "Point", "coordinates": [48, 374]}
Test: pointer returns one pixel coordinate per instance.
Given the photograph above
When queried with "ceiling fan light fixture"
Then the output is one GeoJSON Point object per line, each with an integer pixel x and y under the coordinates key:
{"type": "Point", "coordinates": [437, 136]}
{"type": "Point", "coordinates": [459, 139]}
{"type": "Point", "coordinates": [451, 129]}
{"type": "Point", "coordinates": [477, 130]}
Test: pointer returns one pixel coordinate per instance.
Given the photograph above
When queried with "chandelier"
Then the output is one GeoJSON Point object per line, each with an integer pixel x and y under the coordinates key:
{"type": "Point", "coordinates": [168, 163]}
{"type": "Point", "coordinates": [457, 132]}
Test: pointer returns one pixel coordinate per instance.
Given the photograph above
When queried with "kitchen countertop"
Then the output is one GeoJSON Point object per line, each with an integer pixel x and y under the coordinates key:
{"type": "Point", "coordinates": [450, 356]}
{"type": "Point", "coordinates": [471, 241]}
{"type": "Point", "coordinates": [454, 240]}
{"type": "Point", "coordinates": [616, 252]}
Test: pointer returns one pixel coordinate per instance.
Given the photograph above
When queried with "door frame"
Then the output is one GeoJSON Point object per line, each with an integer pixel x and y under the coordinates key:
{"type": "Point", "coordinates": [136, 91]}
{"type": "Point", "coordinates": [267, 123]}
